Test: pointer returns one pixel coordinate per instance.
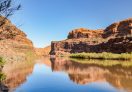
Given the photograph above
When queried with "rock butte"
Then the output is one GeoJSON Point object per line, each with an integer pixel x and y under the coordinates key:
{"type": "Point", "coordinates": [116, 38]}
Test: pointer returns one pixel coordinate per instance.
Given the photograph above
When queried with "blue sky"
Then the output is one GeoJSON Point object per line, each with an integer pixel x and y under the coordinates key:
{"type": "Point", "coordinates": [50, 20]}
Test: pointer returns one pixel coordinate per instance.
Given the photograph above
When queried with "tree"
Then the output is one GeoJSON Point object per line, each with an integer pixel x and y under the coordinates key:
{"type": "Point", "coordinates": [7, 8]}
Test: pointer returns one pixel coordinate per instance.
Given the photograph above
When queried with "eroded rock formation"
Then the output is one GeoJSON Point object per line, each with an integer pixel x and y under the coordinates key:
{"type": "Point", "coordinates": [84, 33]}
{"type": "Point", "coordinates": [122, 28]}
{"type": "Point", "coordinates": [116, 38]}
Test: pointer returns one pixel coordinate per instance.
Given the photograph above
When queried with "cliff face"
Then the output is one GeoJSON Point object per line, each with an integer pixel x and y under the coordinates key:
{"type": "Point", "coordinates": [14, 45]}
{"type": "Point", "coordinates": [116, 38]}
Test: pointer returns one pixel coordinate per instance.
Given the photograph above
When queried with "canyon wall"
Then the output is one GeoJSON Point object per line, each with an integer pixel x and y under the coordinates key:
{"type": "Point", "coordinates": [116, 38]}
{"type": "Point", "coordinates": [14, 44]}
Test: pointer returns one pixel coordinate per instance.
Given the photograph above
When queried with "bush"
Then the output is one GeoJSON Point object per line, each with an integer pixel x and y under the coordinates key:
{"type": "Point", "coordinates": [2, 62]}
{"type": "Point", "coordinates": [2, 77]}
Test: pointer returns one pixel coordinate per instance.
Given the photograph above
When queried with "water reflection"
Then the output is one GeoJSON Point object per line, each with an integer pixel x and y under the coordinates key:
{"type": "Point", "coordinates": [16, 73]}
{"type": "Point", "coordinates": [64, 75]}
{"type": "Point", "coordinates": [119, 77]}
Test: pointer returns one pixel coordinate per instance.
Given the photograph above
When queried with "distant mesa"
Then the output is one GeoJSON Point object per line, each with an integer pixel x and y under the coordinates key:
{"type": "Point", "coordinates": [43, 51]}
{"type": "Point", "coordinates": [116, 38]}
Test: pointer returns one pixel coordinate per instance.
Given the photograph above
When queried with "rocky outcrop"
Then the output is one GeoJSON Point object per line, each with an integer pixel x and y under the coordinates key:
{"type": "Point", "coordinates": [122, 28]}
{"type": "Point", "coordinates": [116, 38]}
{"type": "Point", "coordinates": [14, 44]}
{"type": "Point", "coordinates": [84, 33]}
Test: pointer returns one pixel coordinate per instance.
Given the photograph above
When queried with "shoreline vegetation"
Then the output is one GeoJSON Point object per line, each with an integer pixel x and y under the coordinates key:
{"type": "Point", "coordinates": [102, 56]}
{"type": "Point", "coordinates": [104, 63]}
{"type": "Point", "coordinates": [2, 75]}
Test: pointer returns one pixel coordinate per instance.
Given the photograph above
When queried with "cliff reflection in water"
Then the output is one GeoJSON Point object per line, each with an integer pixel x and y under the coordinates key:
{"type": "Point", "coordinates": [118, 76]}
{"type": "Point", "coordinates": [16, 73]}
{"type": "Point", "coordinates": [43, 75]}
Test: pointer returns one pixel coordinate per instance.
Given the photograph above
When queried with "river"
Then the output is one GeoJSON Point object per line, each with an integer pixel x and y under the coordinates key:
{"type": "Point", "coordinates": [64, 75]}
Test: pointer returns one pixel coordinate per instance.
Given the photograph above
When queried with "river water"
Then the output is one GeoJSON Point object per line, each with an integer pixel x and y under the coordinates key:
{"type": "Point", "coordinates": [63, 75]}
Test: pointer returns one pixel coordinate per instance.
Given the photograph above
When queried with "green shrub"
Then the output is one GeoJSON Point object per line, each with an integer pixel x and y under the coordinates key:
{"type": "Point", "coordinates": [2, 62]}
{"type": "Point", "coordinates": [2, 77]}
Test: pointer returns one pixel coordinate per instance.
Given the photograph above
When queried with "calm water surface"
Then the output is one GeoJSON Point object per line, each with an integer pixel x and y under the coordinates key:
{"type": "Point", "coordinates": [63, 75]}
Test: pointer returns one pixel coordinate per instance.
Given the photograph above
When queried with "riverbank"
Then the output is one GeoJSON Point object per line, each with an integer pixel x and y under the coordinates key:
{"type": "Point", "coordinates": [103, 56]}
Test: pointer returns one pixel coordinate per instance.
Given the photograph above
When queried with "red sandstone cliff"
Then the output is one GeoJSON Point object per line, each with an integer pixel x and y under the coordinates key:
{"type": "Point", "coordinates": [84, 33]}
{"type": "Point", "coordinates": [122, 28]}
{"type": "Point", "coordinates": [116, 38]}
{"type": "Point", "coordinates": [14, 44]}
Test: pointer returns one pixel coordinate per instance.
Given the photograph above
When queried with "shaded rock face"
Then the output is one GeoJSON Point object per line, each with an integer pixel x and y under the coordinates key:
{"type": "Point", "coordinates": [64, 47]}
{"type": "Point", "coordinates": [116, 38]}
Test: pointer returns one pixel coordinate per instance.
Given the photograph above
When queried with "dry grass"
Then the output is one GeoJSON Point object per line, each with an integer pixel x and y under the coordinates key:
{"type": "Point", "coordinates": [104, 56]}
